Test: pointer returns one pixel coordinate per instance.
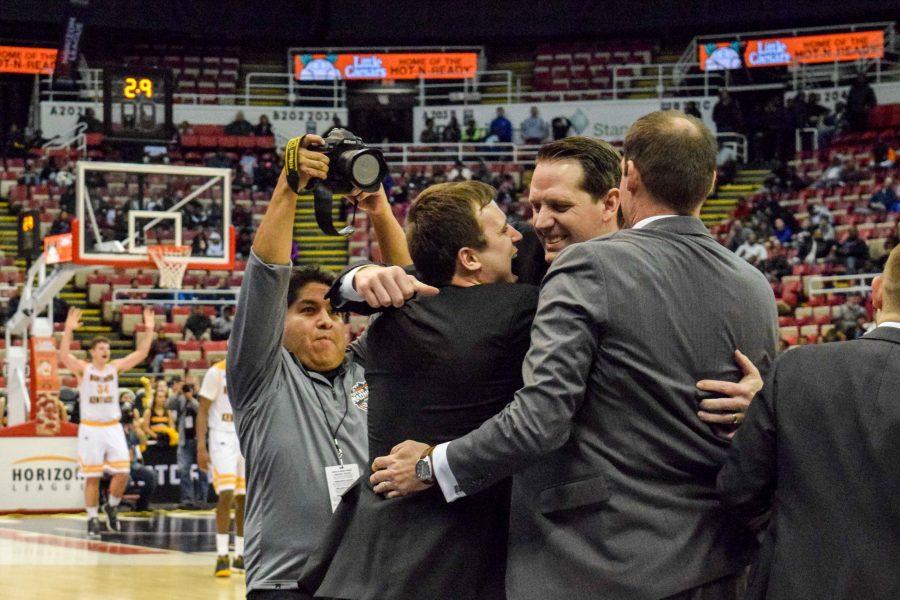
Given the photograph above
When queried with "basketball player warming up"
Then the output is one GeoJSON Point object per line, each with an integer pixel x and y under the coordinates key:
{"type": "Point", "coordinates": [101, 439]}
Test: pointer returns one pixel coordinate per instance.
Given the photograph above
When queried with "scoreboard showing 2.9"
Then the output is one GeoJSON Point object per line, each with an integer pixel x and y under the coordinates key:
{"type": "Point", "coordinates": [137, 104]}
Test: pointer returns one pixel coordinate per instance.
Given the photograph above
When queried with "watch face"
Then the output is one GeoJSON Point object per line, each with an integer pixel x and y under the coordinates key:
{"type": "Point", "coordinates": [423, 470]}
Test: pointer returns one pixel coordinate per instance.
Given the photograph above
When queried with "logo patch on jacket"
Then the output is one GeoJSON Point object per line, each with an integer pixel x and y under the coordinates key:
{"type": "Point", "coordinates": [359, 395]}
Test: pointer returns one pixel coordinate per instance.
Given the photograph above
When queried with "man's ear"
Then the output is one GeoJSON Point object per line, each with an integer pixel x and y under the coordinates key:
{"type": "Point", "coordinates": [631, 175]}
{"type": "Point", "coordinates": [878, 293]}
{"type": "Point", "coordinates": [467, 258]}
{"type": "Point", "coordinates": [611, 204]}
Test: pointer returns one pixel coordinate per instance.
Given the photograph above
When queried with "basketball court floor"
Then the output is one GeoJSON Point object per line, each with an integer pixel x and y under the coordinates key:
{"type": "Point", "coordinates": [166, 555]}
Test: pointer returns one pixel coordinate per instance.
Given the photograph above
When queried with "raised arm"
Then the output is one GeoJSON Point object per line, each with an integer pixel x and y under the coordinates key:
{"type": "Point", "coordinates": [73, 322]}
{"type": "Point", "coordinates": [388, 232]}
{"type": "Point", "coordinates": [272, 243]}
{"type": "Point", "coordinates": [143, 349]}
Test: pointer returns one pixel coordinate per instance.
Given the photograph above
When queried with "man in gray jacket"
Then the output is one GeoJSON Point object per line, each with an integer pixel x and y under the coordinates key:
{"type": "Point", "coordinates": [615, 491]}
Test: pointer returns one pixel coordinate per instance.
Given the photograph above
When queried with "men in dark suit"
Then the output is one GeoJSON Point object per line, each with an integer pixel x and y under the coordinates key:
{"type": "Point", "coordinates": [823, 437]}
{"type": "Point", "coordinates": [615, 493]}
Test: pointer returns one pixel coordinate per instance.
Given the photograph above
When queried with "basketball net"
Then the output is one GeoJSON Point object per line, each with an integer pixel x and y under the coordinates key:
{"type": "Point", "coordinates": [171, 261]}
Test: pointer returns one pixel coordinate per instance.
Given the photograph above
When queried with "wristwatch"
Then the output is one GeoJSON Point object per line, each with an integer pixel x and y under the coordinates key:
{"type": "Point", "coordinates": [424, 468]}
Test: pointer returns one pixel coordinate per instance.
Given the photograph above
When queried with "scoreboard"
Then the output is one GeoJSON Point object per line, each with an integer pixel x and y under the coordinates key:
{"type": "Point", "coordinates": [137, 104]}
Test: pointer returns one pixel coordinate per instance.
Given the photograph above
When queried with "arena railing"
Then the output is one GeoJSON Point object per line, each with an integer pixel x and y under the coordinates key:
{"type": "Point", "coordinates": [446, 152]}
{"type": "Point", "coordinates": [860, 283]}
{"type": "Point", "coordinates": [179, 297]}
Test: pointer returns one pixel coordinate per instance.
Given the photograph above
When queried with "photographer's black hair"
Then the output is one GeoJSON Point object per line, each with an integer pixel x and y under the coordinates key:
{"type": "Point", "coordinates": [300, 276]}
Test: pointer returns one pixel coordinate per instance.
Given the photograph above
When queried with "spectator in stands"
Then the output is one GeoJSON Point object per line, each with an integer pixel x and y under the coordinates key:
{"type": "Point", "coordinates": [813, 247]}
{"type": "Point", "coordinates": [163, 348]}
{"type": "Point", "coordinates": [858, 330]}
{"type": "Point", "coordinates": [782, 232]}
{"type": "Point", "coordinates": [847, 315]}
{"type": "Point", "coordinates": [727, 114]}
{"type": "Point", "coordinates": [219, 160]}
{"type": "Point", "coordinates": [534, 129]}
{"type": "Point", "coordinates": [93, 124]}
{"type": "Point", "coordinates": [142, 477]}
{"type": "Point", "coordinates": [184, 404]}
{"type": "Point", "coordinates": [244, 242]}
{"type": "Point", "coordinates": [890, 243]}
{"type": "Point", "coordinates": [158, 421]}
{"type": "Point", "coordinates": [815, 112]}
{"type": "Point", "coordinates": [884, 199]}
{"type": "Point", "coordinates": [860, 101]}
{"type": "Point", "coordinates": [222, 324]}
{"type": "Point", "coordinates": [472, 132]}
{"type": "Point", "coordinates": [263, 128]}
{"type": "Point", "coordinates": [198, 325]}
{"type": "Point", "coordinates": [248, 164]}
{"type": "Point", "coordinates": [501, 128]}
{"type": "Point", "coordinates": [216, 247]}
{"type": "Point", "coordinates": [15, 143]}
{"type": "Point", "coordinates": [29, 176]}
{"type": "Point", "coordinates": [451, 132]}
{"type": "Point", "coordinates": [240, 125]}
{"type": "Point", "coordinates": [561, 127]}
{"type": "Point", "coordinates": [61, 224]}
{"type": "Point", "coordinates": [429, 134]}
{"type": "Point", "coordinates": [691, 108]}
{"type": "Point", "coordinates": [853, 252]}
{"type": "Point", "coordinates": [459, 172]}
{"type": "Point", "coordinates": [752, 250]}
{"type": "Point", "coordinates": [265, 177]}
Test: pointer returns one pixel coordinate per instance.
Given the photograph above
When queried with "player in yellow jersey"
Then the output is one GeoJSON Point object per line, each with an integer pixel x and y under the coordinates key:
{"type": "Point", "coordinates": [101, 440]}
{"type": "Point", "coordinates": [222, 456]}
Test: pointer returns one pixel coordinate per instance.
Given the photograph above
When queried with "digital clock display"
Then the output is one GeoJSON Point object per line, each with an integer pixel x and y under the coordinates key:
{"type": "Point", "coordinates": [138, 104]}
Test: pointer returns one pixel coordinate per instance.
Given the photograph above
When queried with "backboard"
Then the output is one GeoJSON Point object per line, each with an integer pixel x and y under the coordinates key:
{"type": "Point", "coordinates": [122, 208]}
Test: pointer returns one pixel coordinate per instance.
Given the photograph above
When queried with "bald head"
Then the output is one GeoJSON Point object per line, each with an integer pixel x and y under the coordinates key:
{"type": "Point", "coordinates": [891, 282]}
{"type": "Point", "coordinates": [675, 154]}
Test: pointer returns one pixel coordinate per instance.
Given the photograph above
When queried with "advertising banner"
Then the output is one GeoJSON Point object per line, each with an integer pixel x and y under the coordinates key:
{"type": "Point", "coordinates": [60, 117]}
{"type": "Point", "coordinates": [58, 248]}
{"type": "Point", "coordinates": [40, 474]}
{"type": "Point", "coordinates": [379, 65]}
{"type": "Point", "coordinates": [608, 120]}
{"type": "Point", "coordinates": [809, 49]}
{"type": "Point", "coordinates": [27, 61]}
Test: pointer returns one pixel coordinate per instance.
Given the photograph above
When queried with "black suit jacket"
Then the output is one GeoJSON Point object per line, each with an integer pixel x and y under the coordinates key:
{"type": "Point", "coordinates": [821, 448]}
{"type": "Point", "coordinates": [436, 368]}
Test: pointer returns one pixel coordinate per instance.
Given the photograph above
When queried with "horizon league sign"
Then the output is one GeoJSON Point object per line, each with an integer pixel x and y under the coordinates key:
{"type": "Point", "coordinates": [40, 473]}
{"type": "Point", "coordinates": [607, 120]}
{"type": "Point", "coordinates": [58, 118]}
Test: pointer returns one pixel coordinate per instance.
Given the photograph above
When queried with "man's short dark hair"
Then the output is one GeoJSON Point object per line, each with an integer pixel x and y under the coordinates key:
{"type": "Point", "coordinates": [300, 276]}
{"type": "Point", "coordinates": [99, 340]}
{"type": "Point", "coordinates": [676, 155]}
{"type": "Point", "coordinates": [600, 162]}
{"type": "Point", "coordinates": [443, 219]}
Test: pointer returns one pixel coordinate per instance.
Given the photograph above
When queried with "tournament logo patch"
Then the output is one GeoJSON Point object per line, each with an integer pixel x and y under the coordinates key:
{"type": "Point", "coordinates": [359, 394]}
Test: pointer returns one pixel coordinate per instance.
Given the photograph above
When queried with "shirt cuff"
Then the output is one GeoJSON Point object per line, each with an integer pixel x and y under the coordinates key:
{"type": "Point", "coordinates": [348, 292]}
{"type": "Point", "coordinates": [443, 474]}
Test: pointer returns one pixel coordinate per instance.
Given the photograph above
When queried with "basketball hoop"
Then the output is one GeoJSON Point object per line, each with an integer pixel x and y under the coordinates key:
{"type": "Point", "coordinates": [172, 262]}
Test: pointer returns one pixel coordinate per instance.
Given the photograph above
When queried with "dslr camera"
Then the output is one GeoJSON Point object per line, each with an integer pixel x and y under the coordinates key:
{"type": "Point", "coordinates": [352, 164]}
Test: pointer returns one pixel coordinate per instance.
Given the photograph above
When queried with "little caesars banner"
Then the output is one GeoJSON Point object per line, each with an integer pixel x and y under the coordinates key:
{"type": "Point", "coordinates": [608, 120]}
{"type": "Point", "coordinates": [60, 117]}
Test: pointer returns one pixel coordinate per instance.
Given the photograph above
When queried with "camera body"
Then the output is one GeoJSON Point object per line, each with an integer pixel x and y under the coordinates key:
{"type": "Point", "coordinates": [352, 164]}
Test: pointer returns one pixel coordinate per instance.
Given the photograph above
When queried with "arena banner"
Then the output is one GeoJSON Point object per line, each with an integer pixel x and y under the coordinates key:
{"type": "Point", "coordinates": [27, 61]}
{"type": "Point", "coordinates": [605, 119]}
{"type": "Point", "coordinates": [163, 460]}
{"type": "Point", "coordinates": [70, 45]}
{"type": "Point", "coordinates": [380, 65]}
{"type": "Point", "coordinates": [44, 385]}
{"type": "Point", "coordinates": [58, 248]}
{"type": "Point", "coordinates": [40, 474]}
{"type": "Point", "coordinates": [810, 49]}
{"type": "Point", "coordinates": [290, 121]}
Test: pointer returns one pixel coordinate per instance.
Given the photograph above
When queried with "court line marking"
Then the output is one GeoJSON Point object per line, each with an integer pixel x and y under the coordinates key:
{"type": "Point", "coordinates": [50, 539]}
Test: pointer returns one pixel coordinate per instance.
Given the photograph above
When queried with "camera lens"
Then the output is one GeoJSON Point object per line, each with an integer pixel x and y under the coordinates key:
{"type": "Point", "coordinates": [365, 169]}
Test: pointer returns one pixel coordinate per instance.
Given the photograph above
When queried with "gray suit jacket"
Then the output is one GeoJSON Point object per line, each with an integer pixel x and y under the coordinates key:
{"type": "Point", "coordinates": [615, 495]}
{"type": "Point", "coordinates": [823, 438]}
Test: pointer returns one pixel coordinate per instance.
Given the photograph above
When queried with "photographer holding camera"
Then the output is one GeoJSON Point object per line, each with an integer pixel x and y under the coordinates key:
{"type": "Point", "coordinates": [184, 403]}
{"type": "Point", "coordinates": [297, 390]}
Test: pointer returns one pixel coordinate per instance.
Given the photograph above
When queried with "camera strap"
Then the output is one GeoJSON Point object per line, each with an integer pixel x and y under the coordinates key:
{"type": "Point", "coordinates": [292, 163]}
{"type": "Point", "coordinates": [323, 202]}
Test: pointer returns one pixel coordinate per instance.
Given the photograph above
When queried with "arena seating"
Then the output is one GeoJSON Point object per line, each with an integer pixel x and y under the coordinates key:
{"type": "Point", "coordinates": [578, 68]}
